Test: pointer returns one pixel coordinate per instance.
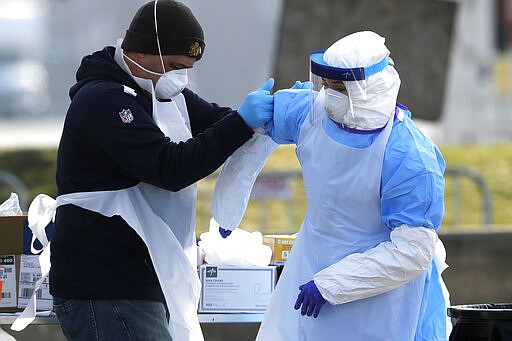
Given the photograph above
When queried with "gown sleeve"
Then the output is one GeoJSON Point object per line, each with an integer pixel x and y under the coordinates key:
{"type": "Point", "coordinates": [291, 107]}
{"type": "Point", "coordinates": [412, 190]}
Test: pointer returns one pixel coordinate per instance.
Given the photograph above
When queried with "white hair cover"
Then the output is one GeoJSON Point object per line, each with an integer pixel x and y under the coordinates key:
{"type": "Point", "coordinates": [371, 101]}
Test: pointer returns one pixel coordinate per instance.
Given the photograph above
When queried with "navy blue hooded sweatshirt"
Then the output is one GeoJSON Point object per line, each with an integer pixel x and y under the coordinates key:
{"type": "Point", "coordinates": [95, 257]}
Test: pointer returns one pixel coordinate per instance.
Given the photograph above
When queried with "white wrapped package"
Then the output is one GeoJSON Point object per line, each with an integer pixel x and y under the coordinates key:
{"type": "Point", "coordinates": [241, 248]}
{"type": "Point", "coordinates": [236, 179]}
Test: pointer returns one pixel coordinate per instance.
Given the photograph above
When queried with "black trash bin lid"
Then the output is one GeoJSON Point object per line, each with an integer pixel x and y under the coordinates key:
{"type": "Point", "coordinates": [498, 311]}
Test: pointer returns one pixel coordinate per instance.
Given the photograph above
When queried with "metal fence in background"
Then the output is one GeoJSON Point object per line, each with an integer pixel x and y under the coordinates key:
{"type": "Point", "coordinates": [455, 195]}
{"type": "Point", "coordinates": [277, 203]}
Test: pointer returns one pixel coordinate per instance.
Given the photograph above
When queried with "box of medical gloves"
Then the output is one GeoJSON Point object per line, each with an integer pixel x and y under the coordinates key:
{"type": "Point", "coordinates": [281, 245]}
{"type": "Point", "coordinates": [227, 289]}
{"type": "Point", "coordinates": [18, 275]}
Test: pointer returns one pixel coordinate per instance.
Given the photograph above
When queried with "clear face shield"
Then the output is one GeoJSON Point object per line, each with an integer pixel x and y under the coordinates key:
{"type": "Point", "coordinates": [334, 88]}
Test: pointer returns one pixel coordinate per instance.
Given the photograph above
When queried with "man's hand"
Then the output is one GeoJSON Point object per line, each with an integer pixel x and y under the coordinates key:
{"type": "Point", "coordinates": [310, 299]}
{"type": "Point", "coordinates": [258, 107]}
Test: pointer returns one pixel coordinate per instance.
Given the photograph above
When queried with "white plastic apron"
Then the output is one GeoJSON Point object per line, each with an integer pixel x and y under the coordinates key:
{"type": "Point", "coordinates": [342, 185]}
{"type": "Point", "coordinates": [166, 223]}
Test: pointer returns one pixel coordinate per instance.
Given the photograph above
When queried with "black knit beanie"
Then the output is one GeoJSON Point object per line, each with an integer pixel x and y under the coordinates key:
{"type": "Point", "coordinates": [179, 31]}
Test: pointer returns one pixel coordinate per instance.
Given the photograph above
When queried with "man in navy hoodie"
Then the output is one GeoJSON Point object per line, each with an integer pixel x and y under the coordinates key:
{"type": "Point", "coordinates": [135, 142]}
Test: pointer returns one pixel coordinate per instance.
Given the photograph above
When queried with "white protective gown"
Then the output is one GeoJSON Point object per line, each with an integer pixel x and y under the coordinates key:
{"type": "Point", "coordinates": [343, 217]}
{"type": "Point", "coordinates": [164, 220]}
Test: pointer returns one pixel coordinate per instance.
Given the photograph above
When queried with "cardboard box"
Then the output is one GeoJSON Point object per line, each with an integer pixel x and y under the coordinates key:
{"type": "Point", "coordinates": [20, 273]}
{"type": "Point", "coordinates": [281, 245]}
{"type": "Point", "coordinates": [9, 271]}
{"type": "Point", "coordinates": [16, 236]}
{"type": "Point", "coordinates": [11, 234]}
{"type": "Point", "coordinates": [227, 289]}
{"type": "Point", "coordinates": [30, 272]}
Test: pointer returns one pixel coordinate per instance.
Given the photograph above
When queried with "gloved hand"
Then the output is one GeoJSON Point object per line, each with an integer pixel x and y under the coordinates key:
{"type": "Point", "coordinates": [310, 299]}
{"type": "Point", "coordinates": [302, 85]}
{"type": "Point", "coordinates": [258, 107]}
{"type": "Point", "coordinates": [224, 233]}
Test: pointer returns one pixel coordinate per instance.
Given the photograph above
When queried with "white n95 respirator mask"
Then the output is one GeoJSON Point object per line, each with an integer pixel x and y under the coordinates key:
{"type": "Point", "coordinates": [336, 104]}
{"type": "Point", "coordinates": [171, 84]}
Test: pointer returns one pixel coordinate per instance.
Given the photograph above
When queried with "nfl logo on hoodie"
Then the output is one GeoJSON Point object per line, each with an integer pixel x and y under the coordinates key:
{"type": "Point", "coordinates": [126, 115]}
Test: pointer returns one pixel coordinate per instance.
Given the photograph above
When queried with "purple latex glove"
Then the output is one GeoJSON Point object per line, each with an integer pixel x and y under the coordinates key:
{"type": "Point", "coordinates": [223, 232]}
{"type": "Point", "coordinates": [310, 299]}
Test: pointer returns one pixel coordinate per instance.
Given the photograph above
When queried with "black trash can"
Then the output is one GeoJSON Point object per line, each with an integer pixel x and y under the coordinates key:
{"type": "Point", "coordinates": [481, 322]}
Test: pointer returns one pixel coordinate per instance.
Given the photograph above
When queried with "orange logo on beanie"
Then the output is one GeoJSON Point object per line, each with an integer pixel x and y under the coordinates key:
{"type": "Point", "coordinates": [195, 49]}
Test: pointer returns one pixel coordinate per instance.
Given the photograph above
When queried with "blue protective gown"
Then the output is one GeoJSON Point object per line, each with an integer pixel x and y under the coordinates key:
{"type": "Point", "coordinates": [413, 168]}
{"type": "Point", "coordinates": [411, 193]}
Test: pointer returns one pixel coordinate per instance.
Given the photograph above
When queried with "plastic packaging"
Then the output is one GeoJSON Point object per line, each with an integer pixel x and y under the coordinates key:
{"type": "Point", "coordinates": [237, 177]}
{"type": "Point", "coordinates": [11, 206]}
{"type": "Point", "coordinates": [241, 248]}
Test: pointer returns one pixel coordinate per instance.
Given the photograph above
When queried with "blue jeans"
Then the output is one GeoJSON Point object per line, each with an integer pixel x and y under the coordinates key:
{"type": "Point", "coordinates": [90, 320]}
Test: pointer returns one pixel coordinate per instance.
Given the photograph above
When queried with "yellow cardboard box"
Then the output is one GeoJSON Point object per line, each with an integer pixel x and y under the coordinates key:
{"type": "Point", "coordinates": [281, 245]}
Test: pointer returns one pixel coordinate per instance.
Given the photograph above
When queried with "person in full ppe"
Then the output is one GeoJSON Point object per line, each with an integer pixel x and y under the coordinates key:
{"type": "Point", "coordinates": [134, 143]}
{"type": "Point", "coordinates": [367, 260]}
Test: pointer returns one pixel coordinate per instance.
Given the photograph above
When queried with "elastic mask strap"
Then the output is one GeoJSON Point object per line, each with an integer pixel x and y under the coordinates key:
{"type": "Point", "coordinates": [158, 40]}
{"type": "Point", "coordinates": [368, 71]}
{"type": "Point", "coordinates": [140, 66]}
{"type": "Point", "coordinates": [350, 104]}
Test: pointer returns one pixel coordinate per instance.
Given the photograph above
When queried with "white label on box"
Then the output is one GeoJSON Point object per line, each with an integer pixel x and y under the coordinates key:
{"type": "Point", "coordinates": [232, 289]}
{"type": "Point", "coordinates": [8, 278]}
{"type": "Point", "coordinates": [30, 272]}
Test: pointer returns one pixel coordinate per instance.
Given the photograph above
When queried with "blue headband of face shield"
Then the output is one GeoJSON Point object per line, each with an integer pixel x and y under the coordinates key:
{"type": "Point", "coordinates": [320, 68]}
